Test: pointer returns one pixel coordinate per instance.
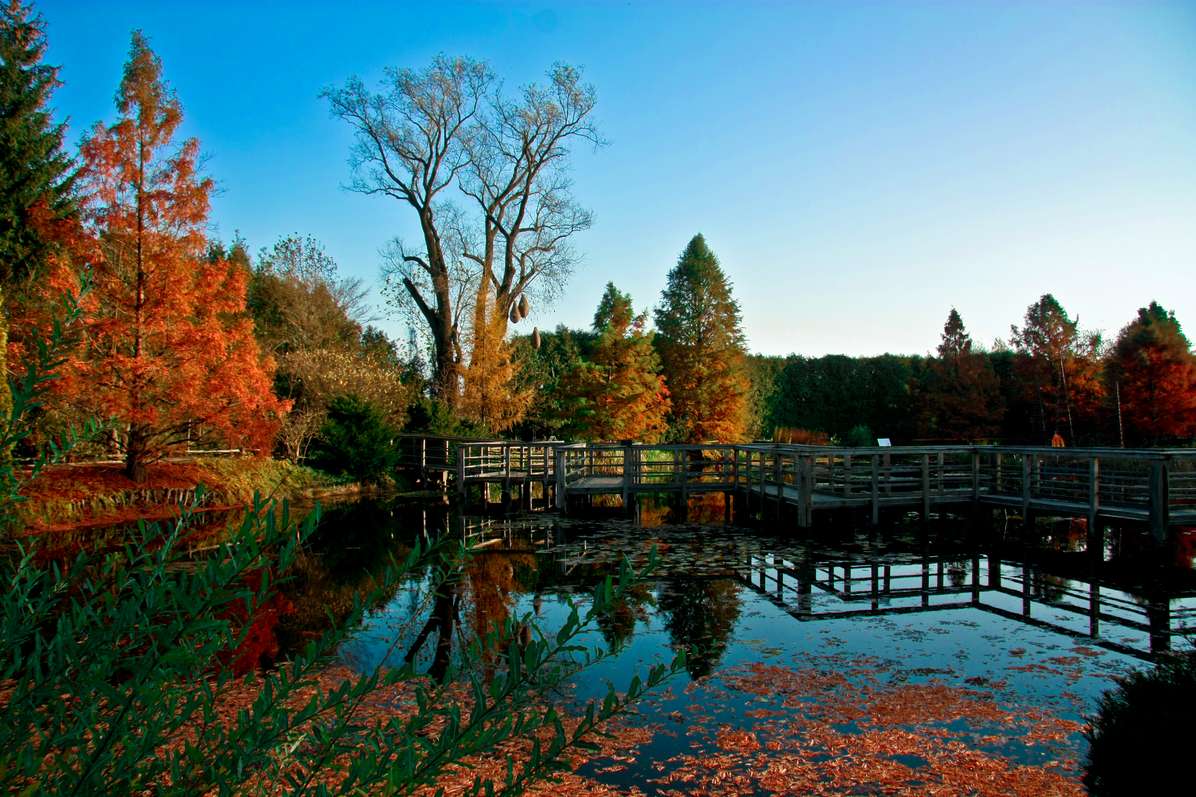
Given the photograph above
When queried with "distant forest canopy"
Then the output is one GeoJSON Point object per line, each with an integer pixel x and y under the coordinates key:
{"type": "Point", "coordinates": [1049, 378]}
{"type": "Point", "coordinates": [180, 341]}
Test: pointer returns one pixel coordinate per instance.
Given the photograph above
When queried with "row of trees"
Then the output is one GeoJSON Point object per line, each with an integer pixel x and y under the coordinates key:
{"type": "Point", "coordinates": [1050, 378]}
{"type": "Point", "coordinates": [686, 381]}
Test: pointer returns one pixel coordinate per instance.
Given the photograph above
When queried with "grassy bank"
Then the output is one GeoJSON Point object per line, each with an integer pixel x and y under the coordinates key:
{"type": "Point", "coordinates": [99, 494]}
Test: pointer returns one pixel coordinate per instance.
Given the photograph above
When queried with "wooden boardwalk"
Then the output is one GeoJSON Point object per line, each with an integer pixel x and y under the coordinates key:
{"type": "Point", "coordinates": [1154, 487]}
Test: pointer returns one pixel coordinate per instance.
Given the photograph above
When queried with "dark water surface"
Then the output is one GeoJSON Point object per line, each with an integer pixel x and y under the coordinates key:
{"type": "Point", "coordinates": [898, 660]}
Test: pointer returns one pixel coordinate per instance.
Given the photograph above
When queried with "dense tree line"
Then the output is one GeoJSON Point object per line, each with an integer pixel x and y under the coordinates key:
{"type": "Point", "coordinates": [1050, 379]}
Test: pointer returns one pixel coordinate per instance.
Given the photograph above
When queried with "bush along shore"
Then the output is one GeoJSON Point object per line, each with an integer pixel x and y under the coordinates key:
{"type": "Point", "coordinates": [72, 497]}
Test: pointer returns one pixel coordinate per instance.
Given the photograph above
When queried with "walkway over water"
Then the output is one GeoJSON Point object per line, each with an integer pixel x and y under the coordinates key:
{"type": "Point", "coordinates": [1155, 487]}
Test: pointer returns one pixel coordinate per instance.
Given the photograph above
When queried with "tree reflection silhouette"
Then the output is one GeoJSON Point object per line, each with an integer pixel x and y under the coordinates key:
{"type": "Point", "coordinates": [699, 616]}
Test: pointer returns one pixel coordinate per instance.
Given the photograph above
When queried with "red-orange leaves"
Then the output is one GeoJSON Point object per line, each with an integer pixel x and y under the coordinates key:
{"type": "Point", "coordinates": [170, 351]}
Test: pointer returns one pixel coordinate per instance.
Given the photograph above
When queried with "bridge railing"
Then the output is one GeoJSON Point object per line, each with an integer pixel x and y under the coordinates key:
{"type": "Point", "coordinates": [481, 460]}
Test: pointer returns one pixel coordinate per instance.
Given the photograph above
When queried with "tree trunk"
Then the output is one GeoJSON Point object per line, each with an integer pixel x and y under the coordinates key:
{"type": "Point", "coordinates": [5, 392]}
{"type": "Point", "coordinates": [136, 450]}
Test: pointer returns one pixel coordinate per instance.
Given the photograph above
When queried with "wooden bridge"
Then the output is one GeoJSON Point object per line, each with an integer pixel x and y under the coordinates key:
{"type": "Point", "coordinates": [1154, 487]}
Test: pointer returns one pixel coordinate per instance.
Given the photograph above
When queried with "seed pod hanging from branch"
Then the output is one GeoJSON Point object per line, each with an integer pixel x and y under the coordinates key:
{"type": "Point", "coordinates": [536, 338]}
{"type": "Point", "coordinates": [524, 306]}
{"type": "Point", "coordinates": [515, 314]}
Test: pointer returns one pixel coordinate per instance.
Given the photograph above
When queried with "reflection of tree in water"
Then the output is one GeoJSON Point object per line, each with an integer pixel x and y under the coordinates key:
{"type": "Point", "coordinates": [957, 572]}
{"type": "Point", "coordinates": [494, 580]}
{"type": "Point", "coordinates": [1048, 588]}
{"type": "Point", "coordinates": [654, 511]}
{"type": "Point", "coordinates": [700, 615]}
{"type": "Point", "coordinates": [340, 561]}
{"type": "Point", "coordinates": [618, 624]}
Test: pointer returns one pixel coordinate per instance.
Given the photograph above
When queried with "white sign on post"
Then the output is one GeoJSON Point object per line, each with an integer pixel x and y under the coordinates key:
{"type": "Point", "coordinates": [884, 442]}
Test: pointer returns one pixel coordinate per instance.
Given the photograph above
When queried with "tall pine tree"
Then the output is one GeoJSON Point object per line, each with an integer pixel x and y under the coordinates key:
{"type": "Point", "coordinates": [702, 349]}
{"type": "Point", "coordinates": [36, 200]}
{"type": "Point", "coordinates": [961, 397]}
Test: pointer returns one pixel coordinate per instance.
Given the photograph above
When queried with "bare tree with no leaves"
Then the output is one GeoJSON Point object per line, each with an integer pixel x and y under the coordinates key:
{"type": "Point", "coordinates": [486, 175]}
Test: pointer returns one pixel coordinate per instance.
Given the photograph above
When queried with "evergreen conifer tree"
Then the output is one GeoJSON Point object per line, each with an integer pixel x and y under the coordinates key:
{"type": "Point", "coordinates": [35, 173]}
{"type": "Point", "coordinates": [702, 349]}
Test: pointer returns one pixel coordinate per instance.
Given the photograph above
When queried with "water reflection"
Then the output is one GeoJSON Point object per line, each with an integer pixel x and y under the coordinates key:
{"type": "Point", "coordinates": [700, 615]}
{"type": "Point", "coordinates": [708, 568]}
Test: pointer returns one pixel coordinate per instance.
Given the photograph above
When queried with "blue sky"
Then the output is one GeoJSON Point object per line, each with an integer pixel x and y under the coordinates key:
{"type": "Point", "coordinates": [859, 168]}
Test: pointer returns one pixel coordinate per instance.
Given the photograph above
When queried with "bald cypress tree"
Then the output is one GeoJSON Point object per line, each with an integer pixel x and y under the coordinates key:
{"type": "Point", "coordinates": [702, 349]}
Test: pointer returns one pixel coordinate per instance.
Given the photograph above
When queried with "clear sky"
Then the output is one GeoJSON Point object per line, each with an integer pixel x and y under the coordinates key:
{"type": "Point", "coordinates": [859, 168]}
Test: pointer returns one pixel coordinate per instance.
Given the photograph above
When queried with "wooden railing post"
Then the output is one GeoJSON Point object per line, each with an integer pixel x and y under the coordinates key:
{"type": "Point", "coordinates": [1094, 534]}
{"type": "Point", "coordinates": [779, 476]}
{"type": "Point", "coordinates": [461, 454]}
{"type": "Point", "coordinates": [558, 466]}
{"type": "Point", "coordinates": [975, 475]}
{"type": "Point", "coordinates": [1159, 500]}
{"type": "Point", "coordinates": [847, 475]}
{"type": "Point", "coordinates": [628, 475]}
{"type": "Point", "coordinates": [925, 487]}
{"type": "Point", "coordinates": [506, 475]}
{"type": "Point", "coordinates": [875, 489]}
{"type": "Point", "coordinates": [805, 512]}
{"type": "Point", "coordinates": [1027, 470]}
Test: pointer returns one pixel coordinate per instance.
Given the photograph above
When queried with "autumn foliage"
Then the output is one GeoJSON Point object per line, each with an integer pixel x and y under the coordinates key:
{"type": "Point", "coordinates": [169, 350]}
{"type": "Point", "coordinates": [701, 344]}
{"type": "Point", "coordinates": [1153, 372]}
{"type": "Point", "coordinates": [622, 394]}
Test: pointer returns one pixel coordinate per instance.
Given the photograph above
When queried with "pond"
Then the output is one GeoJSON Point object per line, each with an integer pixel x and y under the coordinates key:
{"type": "Point", "coordinates": [898, 660]}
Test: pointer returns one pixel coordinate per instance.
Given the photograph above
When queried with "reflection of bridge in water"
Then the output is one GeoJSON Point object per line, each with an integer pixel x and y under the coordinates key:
{"type": "Point", "coordinates": [822, 589]}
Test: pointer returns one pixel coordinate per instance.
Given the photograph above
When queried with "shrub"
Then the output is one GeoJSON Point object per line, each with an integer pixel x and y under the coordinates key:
{"type": "Point", "coordinates": [1143, 732]}
{"type": "Point", "coordinates": [860, 436]}
{"type": "Point", "coordinates": [356, 441]}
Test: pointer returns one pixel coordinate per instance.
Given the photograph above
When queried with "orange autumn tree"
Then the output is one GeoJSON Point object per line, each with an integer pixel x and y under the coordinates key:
{"type": "Point", "coordinates": [623, 395]}
{"type": "Point", "coordinates": [1153, 372]}
{"type": "Point", "coordinates": [702, 350]}
{"type": "Point", "coordinates": [169, 351]}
